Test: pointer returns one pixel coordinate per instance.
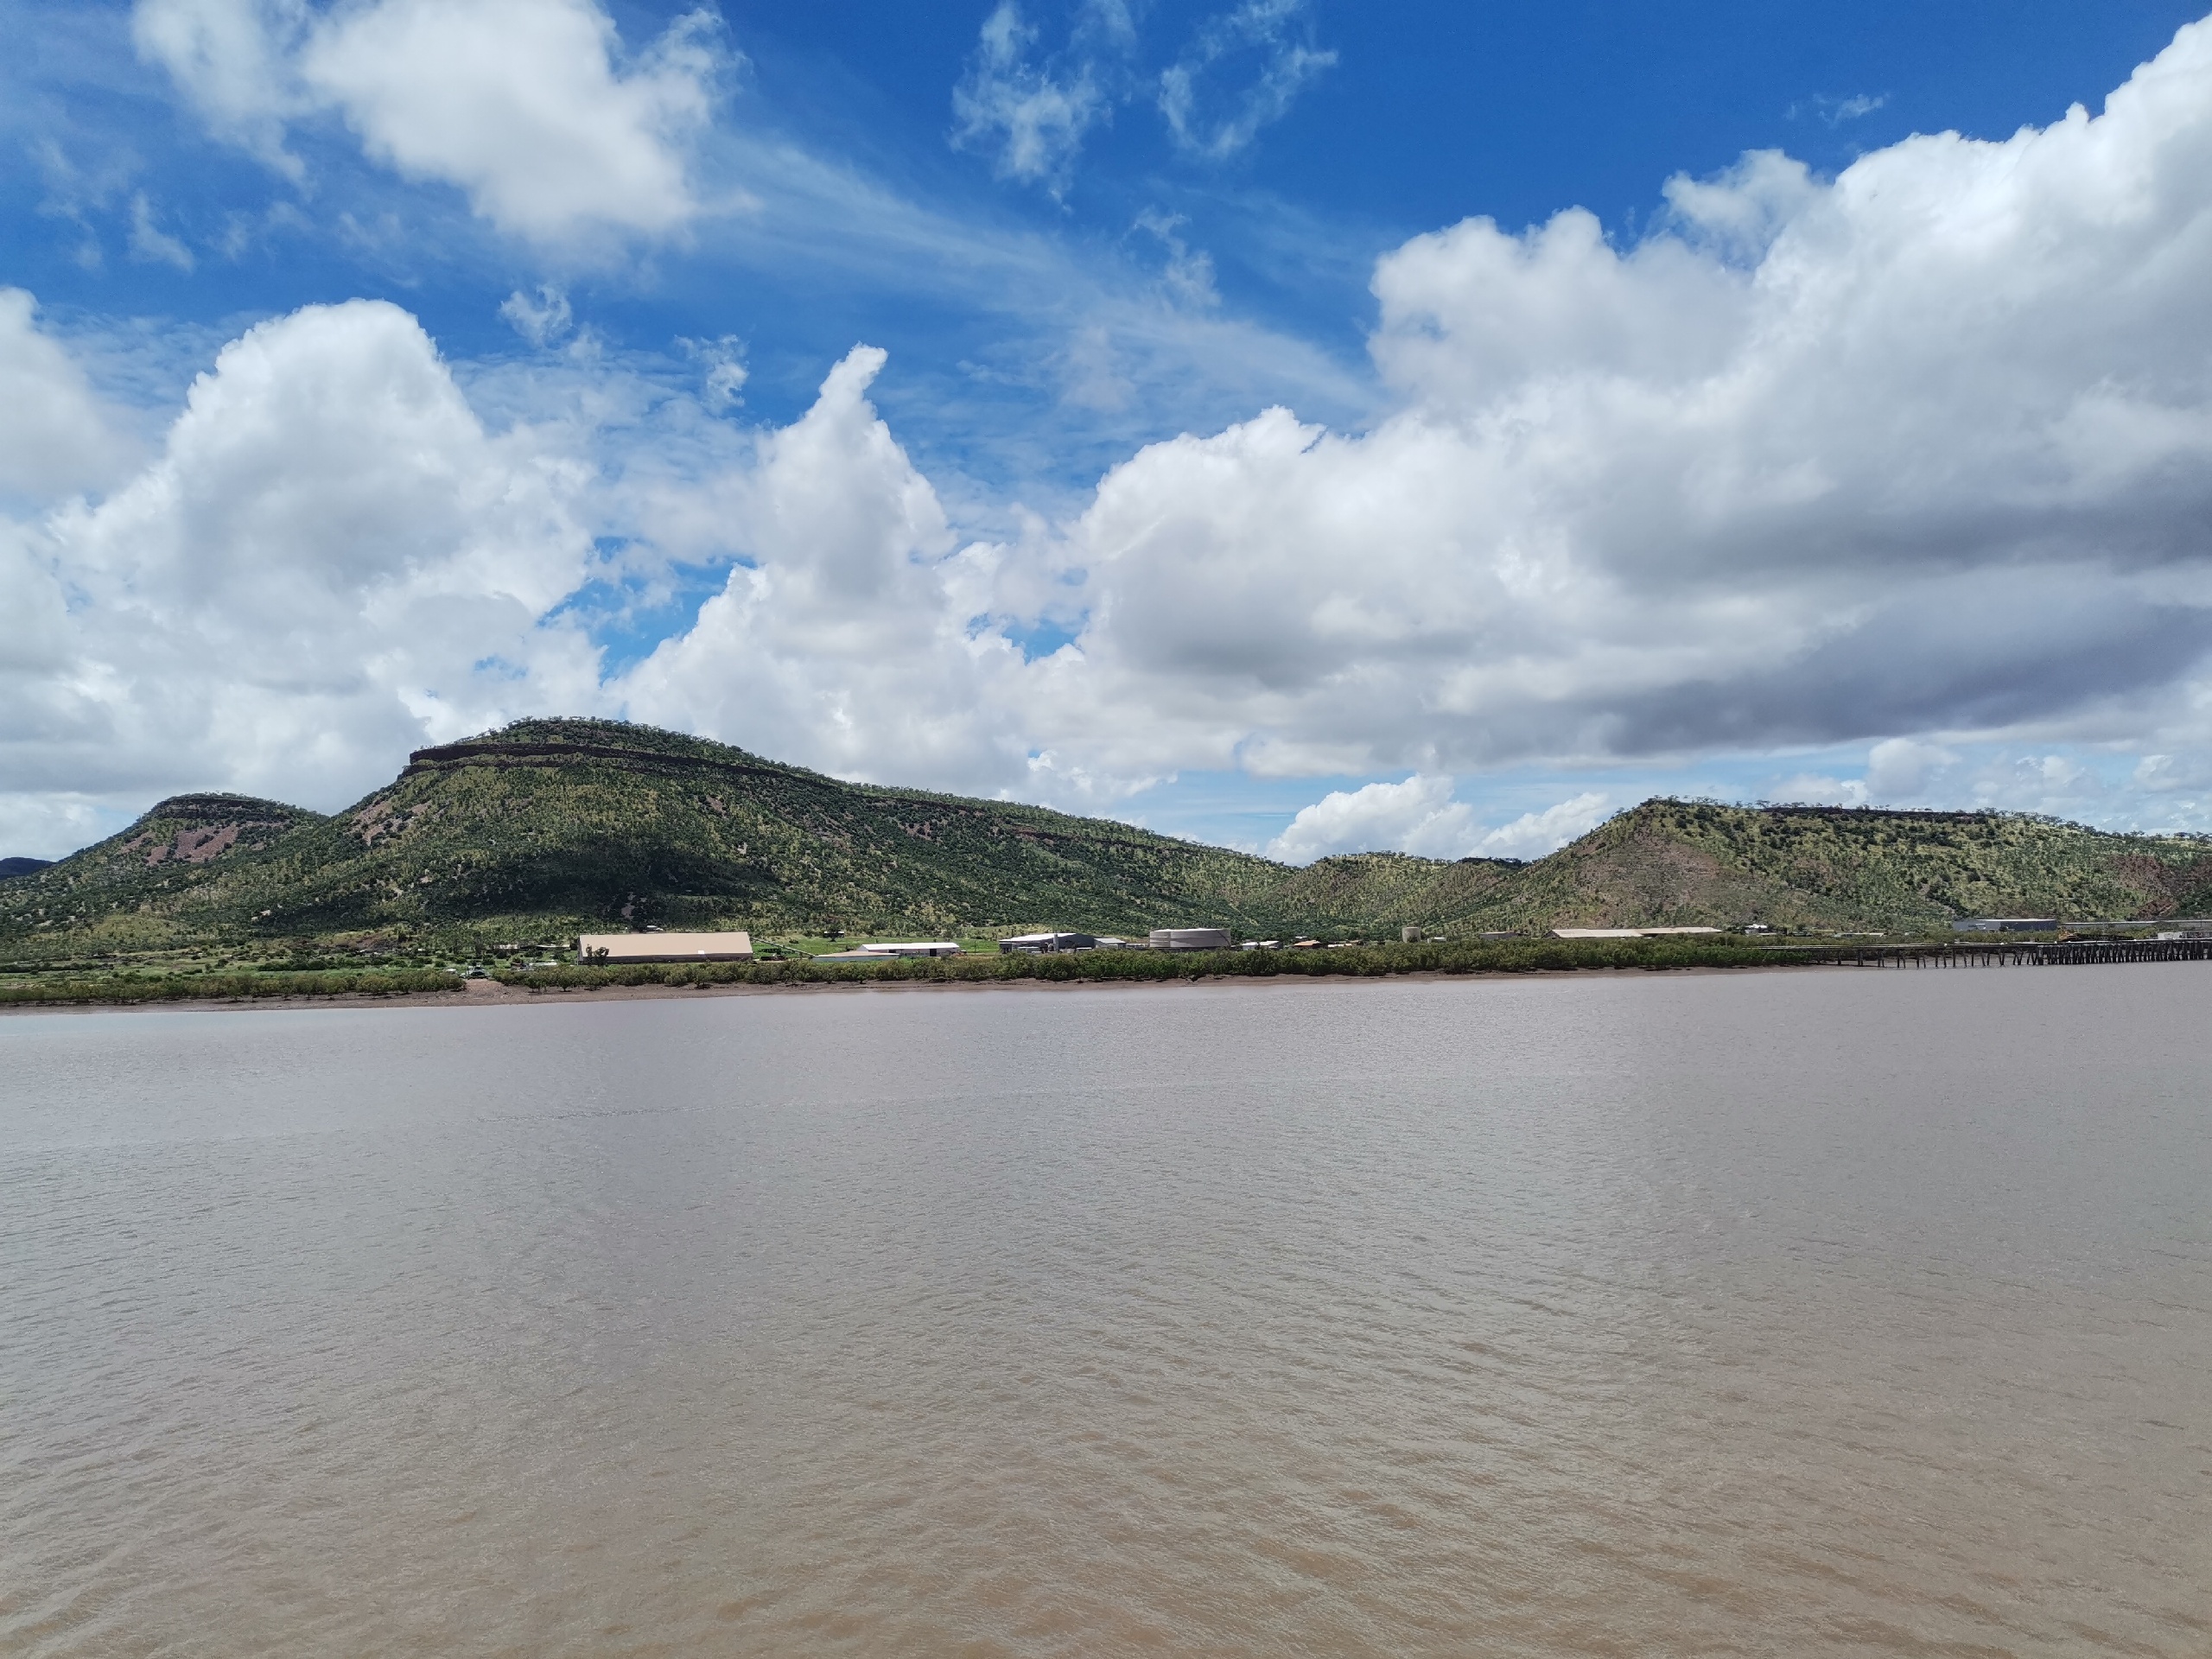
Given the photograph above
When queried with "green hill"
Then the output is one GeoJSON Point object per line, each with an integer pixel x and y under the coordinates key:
{"type": "Point", "coordinates": [1687, 863]}
{"type": "Point", "coordinates": [546, 828]}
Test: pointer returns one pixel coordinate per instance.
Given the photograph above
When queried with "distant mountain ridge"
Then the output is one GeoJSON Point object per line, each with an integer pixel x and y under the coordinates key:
{"type": "Point", "coordinates": [549, 827]}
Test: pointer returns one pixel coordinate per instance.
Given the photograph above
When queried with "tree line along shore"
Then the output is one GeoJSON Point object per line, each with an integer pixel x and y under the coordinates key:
{"type": "Point", "coordinates": [127, 987]}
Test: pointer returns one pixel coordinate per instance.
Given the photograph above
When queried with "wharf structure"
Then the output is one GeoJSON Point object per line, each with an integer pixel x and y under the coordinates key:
{"type": "Point", "coordinates": [2026, 953]}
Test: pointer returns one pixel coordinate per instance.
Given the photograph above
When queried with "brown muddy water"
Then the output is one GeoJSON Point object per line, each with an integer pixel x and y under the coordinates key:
{"type": "Point", "coordinates": [1785, 1313]}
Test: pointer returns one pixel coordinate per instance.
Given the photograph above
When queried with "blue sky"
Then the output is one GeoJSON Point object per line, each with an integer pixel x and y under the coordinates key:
{"type": "Point", "coordinates": [1548, 521]}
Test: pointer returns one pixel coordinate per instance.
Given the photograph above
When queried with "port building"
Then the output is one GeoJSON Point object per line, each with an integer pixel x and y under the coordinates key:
{"type": "Point", "coordinates": [664, 947]}
{"type": "Point", "coordinates": [1031, 944]}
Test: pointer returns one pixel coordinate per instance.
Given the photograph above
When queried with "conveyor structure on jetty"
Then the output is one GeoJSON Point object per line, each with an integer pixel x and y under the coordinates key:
{"type": "Point", "coordinates": [2059, 953]}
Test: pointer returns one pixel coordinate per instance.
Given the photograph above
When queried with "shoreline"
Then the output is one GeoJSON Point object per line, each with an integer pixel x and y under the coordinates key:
{"type": "Point", "coordinates": [413, 988]}
{"type": "Point", "coordinates": [506, 997]}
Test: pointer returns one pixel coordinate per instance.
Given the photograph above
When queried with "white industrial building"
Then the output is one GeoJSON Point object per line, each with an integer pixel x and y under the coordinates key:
{"type": "Point", "coordinates": [1627, 932]}
{"type": "Point", "coordinates": [1031, 944]}
{"type": "Point", "coordinates": [1190, 938]}
{"type": "Point", "coordinates": [664, 947]}
{"type": "Point", "coordinates": [899, 948]}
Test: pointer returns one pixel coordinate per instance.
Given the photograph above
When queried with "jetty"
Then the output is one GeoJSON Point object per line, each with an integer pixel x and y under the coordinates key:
{"type": "Point", "coordinates": [2017, 953]}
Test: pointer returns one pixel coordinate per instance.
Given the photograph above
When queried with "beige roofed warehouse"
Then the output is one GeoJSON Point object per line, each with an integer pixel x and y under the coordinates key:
{"type": "Point", "coordinates": [664, 947]}
{"type": "Point", "coordinates": [1626, 932]}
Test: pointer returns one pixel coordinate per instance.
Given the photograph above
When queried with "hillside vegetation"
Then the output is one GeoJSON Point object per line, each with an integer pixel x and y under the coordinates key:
{"type": "Point", "coordinates": [1681, 863]}
{"type": "Point", "coordinates": [524, 836]}
{"type": "Point", "coordinates": [530, 834]}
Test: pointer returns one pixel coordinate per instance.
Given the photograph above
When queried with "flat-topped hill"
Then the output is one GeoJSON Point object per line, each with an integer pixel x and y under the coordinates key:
{"type": "Point", "coordinates": [549, 827]}
{"type": "Point", "coordinates": [1843, 867]}
{"type": "Point", "coordinates": [1690, 863]}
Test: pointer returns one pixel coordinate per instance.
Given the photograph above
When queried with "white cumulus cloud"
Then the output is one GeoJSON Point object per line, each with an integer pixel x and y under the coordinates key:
{"type": "Point", "coordinates": [1917, 458]}
{"type": "Point", "coordinates": [56, 435]}
{"type": "Point", "coordinates": [232, 60]}
{"type": "Point", "coordinates": [1419, 816]}
{"type": "Point", "coordinates": [844, 638]}
{"type": "Point", "coordinates": [531, 107]}
{"type": "Point", "coordinates": [1900, 771]}
{"type": "Point", "coordinates": [1925, 448]}
{"type": "Point", "coordinates": [330, 560]}
{"type": "Point", "coordinates": [1535, 834]}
